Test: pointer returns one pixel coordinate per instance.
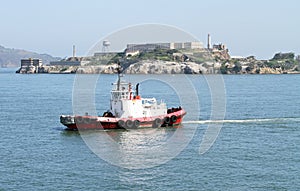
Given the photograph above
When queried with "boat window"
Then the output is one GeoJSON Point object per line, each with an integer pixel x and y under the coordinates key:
{"type": "Point", "coordinates": [148, 101]}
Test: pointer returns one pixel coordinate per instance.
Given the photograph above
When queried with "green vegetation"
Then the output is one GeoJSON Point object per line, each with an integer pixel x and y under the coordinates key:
{"type": "Point", "coordinates": [104, 59]}
{"type": "Point", "coordinates": [285, 61]}
{"type": "Point", "coordinates": [64, 69]}
{"type": "Point", "coordinates": [223, 69]}
{"type": "Point", "coordinates": [284, 56]}
{"type": "Point", "coordinates": [157, 54]}
{"type": "Point", "coordinates": [237, 67]}
{"type": "Point", "coordinates": [226, 67]}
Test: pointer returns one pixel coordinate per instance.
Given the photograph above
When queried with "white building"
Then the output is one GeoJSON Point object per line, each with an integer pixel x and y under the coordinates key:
{"type": "Point", "coordinates": [168, 45]}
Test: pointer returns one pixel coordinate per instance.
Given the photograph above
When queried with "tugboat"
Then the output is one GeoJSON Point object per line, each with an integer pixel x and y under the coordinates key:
{"type": "Point", "coordinates": [128, 110]}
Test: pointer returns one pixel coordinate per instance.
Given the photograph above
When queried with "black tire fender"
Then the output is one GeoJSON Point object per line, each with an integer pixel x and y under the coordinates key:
{"type": "Point", "coordinates": [173, 118]}
{"type": "Point", "coordinates": [167, 120]}
{"type": "Point", "coordinates": [136, 123]}
{"type": "Point", "coordinates": [129, 124]}
{"type": "Point", "coordinates": [121, 123]}
{"type": "Point", "coordinates": [157, 123]}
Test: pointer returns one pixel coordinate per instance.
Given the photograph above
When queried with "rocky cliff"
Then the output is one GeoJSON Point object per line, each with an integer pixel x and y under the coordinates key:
{"type": "Point", "coordinates": [165, 67]}
{"type": "Point", "coordinates": [188, 67]}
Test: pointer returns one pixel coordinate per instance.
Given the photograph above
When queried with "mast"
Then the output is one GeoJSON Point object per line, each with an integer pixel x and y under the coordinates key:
{"type": "Point", "coordinates": [137, 89]}
{"type": "Point", "coordinates": [119, 76]}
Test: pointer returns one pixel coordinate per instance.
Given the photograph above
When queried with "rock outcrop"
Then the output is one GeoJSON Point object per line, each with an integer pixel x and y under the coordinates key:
{"type": "Point", "coordinates": [27, 70]}
{"type": "Point", "coordinates": [100, 69]}
{"type": "Point", "coordinates": [165, 67]}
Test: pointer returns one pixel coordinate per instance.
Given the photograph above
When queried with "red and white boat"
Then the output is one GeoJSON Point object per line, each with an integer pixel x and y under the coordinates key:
{"type": "Point", "coordinates": [128, 110]}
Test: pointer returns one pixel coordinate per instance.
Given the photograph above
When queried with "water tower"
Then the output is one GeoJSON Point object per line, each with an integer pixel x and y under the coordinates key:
{"type": "Point", "coordinates": [105, 46]}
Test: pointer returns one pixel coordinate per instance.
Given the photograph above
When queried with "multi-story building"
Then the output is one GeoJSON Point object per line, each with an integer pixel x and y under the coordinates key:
{"type": "Point", "coordinates": [31, 62]}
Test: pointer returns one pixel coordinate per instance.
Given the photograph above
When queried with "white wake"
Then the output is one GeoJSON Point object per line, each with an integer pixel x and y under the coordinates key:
{"type": "Point", "coordinates": [259, 120]}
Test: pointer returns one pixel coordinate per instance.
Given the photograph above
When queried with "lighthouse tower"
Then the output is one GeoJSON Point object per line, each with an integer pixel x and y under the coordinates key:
{"type": "Point", "coordinates": [208, 42]}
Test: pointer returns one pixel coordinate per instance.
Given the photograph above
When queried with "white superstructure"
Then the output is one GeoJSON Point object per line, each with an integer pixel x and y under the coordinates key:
{"type": "Point", "coordinates": [125, 103]}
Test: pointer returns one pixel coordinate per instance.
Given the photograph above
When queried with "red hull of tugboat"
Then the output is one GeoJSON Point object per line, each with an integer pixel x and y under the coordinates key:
{"type": "Point", "coordinates": [94, 122]}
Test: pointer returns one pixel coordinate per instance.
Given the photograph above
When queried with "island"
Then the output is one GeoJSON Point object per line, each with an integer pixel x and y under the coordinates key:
{"type": "Point", "coordinates": [167, 58]}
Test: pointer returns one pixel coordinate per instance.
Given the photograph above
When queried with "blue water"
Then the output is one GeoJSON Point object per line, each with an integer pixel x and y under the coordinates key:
{"type": "Point", "coordinates": [257, 148]}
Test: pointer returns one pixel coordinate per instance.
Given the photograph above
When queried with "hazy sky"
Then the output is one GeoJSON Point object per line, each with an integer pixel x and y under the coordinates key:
{"type": "Point", "coordinates": [256, 27]}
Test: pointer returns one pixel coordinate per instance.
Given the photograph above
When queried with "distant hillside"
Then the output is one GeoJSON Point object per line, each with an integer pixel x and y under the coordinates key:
{"type": "Point", "coordinates": [11, 57]}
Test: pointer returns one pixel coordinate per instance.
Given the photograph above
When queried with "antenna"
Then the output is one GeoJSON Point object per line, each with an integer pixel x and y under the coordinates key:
{"type": "Point", "coordinates": [105, 46]}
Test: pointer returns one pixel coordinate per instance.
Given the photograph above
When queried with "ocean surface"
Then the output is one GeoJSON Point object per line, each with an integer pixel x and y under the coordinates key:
{"type": "Point", "coordinates": [257, 147]}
